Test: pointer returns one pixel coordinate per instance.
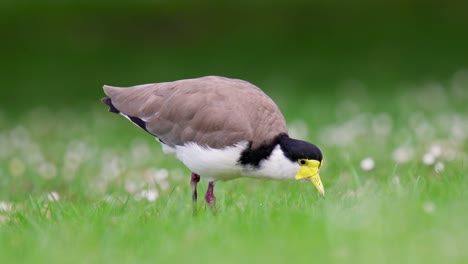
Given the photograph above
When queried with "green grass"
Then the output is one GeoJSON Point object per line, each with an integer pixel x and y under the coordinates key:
{"type": "Point", "coordinates": [98, 163]}
{"type": "Point", "coordinates": [359, 80]}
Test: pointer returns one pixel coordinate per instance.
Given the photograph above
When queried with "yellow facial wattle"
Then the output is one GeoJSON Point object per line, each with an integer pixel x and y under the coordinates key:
{"type": "Point", "coordinates": [309, 169]}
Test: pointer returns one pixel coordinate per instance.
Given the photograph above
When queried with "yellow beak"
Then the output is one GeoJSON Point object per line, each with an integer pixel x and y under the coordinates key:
{"type": "Point", "coordinates": [310, 170]}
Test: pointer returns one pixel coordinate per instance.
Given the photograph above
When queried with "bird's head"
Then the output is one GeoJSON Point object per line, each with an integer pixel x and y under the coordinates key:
{"type": "Point", "coordinates": [308, 156]}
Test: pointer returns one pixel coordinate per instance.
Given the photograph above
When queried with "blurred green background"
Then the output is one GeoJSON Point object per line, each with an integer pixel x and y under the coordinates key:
{"type": "Point", "coordinates": [60, 53]}
{"type": "Point", "coordinates": [383, 83]}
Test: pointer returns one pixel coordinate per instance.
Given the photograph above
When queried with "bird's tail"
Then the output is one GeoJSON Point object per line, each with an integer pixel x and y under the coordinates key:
{"type": "Point", "coordinates": [108, 101]}
{"type": "Point", "coordinates": [135, 120]}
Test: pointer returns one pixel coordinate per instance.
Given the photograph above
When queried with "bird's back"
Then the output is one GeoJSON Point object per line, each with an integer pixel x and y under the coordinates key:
{"type": "Point", "coordinates": [212, 111]}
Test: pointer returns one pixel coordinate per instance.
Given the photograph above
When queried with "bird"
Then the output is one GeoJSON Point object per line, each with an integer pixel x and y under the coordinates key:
{"type": "Point", "coordinates": [220, 128]}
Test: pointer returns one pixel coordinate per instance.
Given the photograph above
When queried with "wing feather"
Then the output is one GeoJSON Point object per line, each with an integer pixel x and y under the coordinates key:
{"type": "Point", "coordinates": [212, 111]}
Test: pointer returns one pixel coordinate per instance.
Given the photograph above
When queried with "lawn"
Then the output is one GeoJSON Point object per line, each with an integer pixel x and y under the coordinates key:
{"type": "Point", "coordinates": [381, 88]}
{"type": "Point", "coordinates": [89, 187]}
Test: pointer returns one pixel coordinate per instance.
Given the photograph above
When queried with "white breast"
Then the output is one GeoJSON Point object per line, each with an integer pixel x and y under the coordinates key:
{"type": "Point", "coordinates": [276, 166]}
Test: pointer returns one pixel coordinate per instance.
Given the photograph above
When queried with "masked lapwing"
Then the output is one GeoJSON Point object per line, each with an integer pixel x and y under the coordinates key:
{"type": "Point", "coordinates": [220, 128]}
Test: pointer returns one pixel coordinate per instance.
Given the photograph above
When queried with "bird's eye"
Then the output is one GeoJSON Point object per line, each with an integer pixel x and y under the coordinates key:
{"type": "Point", "coordinates": [302, 162]}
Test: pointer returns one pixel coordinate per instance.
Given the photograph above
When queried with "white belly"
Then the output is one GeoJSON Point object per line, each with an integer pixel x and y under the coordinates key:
{"type": "Point", "coordinates": [212, 164]}
{"type": "Point", "coordinates": [223, 164]}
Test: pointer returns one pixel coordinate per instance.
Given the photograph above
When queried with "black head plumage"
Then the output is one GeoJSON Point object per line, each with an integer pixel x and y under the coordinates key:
{"type": "Point", "coordinates": [295, 149]}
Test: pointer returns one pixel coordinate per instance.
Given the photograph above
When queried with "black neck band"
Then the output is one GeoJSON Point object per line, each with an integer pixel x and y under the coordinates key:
{"type": "Point", "coordinates": [253, 157]}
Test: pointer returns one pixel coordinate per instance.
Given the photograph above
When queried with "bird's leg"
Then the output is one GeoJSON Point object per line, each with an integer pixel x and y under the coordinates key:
{"type": "Point", "coordinates": [209, 196]}
{"type": "Point", "coordinates": [193, 183]}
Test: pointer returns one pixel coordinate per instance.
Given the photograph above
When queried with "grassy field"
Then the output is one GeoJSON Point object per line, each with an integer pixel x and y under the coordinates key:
{"type": "Point", "coordinates": [381, 87]}
{"type": "Point", "coordinates": [85, 186]}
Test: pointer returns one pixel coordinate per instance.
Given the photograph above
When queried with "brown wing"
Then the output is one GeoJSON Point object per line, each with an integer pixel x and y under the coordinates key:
{"type": "Point", "coordinates": [212, 111]}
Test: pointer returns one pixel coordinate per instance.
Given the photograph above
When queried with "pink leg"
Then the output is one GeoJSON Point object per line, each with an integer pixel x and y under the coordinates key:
{"type": "Point", "coordinates": [209, 197]}
{"type": "Point", "coordinates": [193, 183]}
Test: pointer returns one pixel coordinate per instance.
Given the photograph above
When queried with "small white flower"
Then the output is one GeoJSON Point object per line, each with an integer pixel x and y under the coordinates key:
{"type": "Point", "coordinates": [435, 150]}
{"type": "Point", "coordinates": [53, 196]}
{"type": "Point", "coordinates": [161, 175]}
{"type": "Point", "coordinates": [367, 164]}
{"type": "Point", "coordinates": [5, 206]}
{"type": "Point", "coordinates": [429, 207]}
{"type": "Point", "coordinates": [428, 159]}
{"type": "Point", "coordinates": [439, 167]}
{"type": "Point", "coordinates": [131, 186]}
{"type": "Point", "coordinates": [112, 166]}
{"type": "Point", "coordinates": [402, 154]}
{"type": "Point", "coordinates": [150, 195]}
